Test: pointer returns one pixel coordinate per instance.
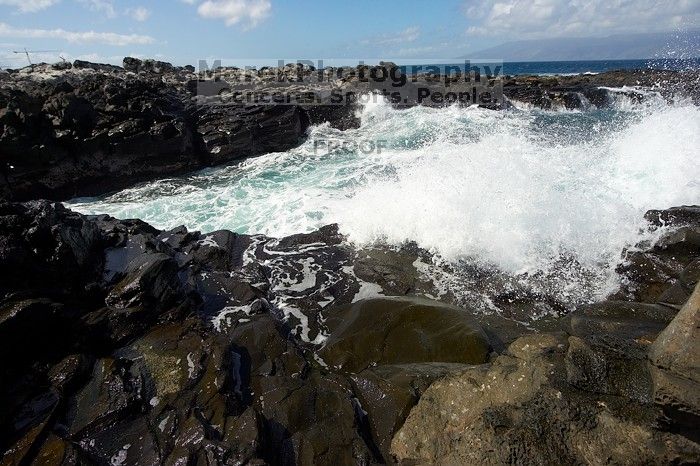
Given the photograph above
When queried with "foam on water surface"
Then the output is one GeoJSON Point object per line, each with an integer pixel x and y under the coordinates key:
{"type": "Point", "coordinates": [554, 194]}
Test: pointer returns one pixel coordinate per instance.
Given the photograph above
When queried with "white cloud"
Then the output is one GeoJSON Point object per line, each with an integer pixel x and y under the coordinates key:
{"type": "Point", "coordinates": [235, 11]}
{"type": "Point", "coordinates": [410, 34]}
{"type": "Point", "coordinates": [422, 51]}
{"type": "Point", "coordinates": [105, 7]}
{"type": "Point", "coordinates": [29, 6]}
{"type": "Point", "coordinates": [528, 19]}
{"type": "Point", "coordinates": [414, 51]}
{"type": "Point", "coordinates": [139, 13]}
{"type": "Point", "coordinates": [109, 38]}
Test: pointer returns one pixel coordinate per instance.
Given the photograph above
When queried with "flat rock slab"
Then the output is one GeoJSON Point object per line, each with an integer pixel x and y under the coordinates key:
{"type": "Point", "coordinates": [402, 330]}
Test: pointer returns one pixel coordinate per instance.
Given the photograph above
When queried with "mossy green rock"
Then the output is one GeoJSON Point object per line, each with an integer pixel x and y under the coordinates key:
{"type": "Point", "coordinates": [401, 331]}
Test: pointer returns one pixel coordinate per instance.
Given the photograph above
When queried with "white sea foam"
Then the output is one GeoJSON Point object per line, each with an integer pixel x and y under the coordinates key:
{"type": "Point", "coordinates": [518, 199]}
{"type": "Point", "coordinates": [517, 189]}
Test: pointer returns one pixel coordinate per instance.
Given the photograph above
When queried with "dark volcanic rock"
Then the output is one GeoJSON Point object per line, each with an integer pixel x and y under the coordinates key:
{"type": "Point", "coordinates": [151, 66]}
{"type": "Point", "coordinates": [102, 67]}
{"type": "Point", "coordinates": [229, 131]}
{"type": "Point", "coordinates": [674, 357]}
{"type": "Point", "coordinates": [399, 331]}
{"type": "Point", "coordinates": [584, 91]}
{"type": "Point", "coordinates": [667, 272]}
{"type": "Point", "coordinates": [124, 344]}
{"type": "Point", "coordinates": [161, 347]}
{"type": "Point", "coordinates": [91, 132]}
{"type": "Point", "coordinates": [675, 216]}
{"type": "Point", "coordinates": [90, 128]}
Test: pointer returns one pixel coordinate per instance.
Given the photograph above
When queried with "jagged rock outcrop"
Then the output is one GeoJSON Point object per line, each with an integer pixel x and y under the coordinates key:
{"type": "Point", "coordinates": [667, 270]}
{"type": "Point", "coordinates": [125, 344]}
{"type": "Point", "coordinates": [83, 134]}
{"type": "Point", "coordinates": [675, 370]}
{"type": "Point", "coordinates": [588, 91]}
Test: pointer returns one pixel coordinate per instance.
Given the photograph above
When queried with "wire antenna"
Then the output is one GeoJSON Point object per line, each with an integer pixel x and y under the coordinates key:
{"type": "Point", "coordinates": [27, 52]}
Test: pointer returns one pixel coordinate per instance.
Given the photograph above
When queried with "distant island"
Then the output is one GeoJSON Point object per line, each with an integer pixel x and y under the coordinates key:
{"type": "Point", "coordinates": [672, 45]}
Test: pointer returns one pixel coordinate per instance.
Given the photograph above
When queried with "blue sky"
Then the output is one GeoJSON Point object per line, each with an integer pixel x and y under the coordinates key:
{"type": "Point", "coordinates": [184, 31]}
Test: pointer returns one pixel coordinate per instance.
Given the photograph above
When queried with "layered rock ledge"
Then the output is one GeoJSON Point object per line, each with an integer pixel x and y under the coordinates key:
{"type": "Point", "coordinates": [122, 344]}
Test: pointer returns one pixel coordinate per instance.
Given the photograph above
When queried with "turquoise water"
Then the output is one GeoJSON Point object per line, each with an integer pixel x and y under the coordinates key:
{"type": "Point", "coordinates": [515, 188]}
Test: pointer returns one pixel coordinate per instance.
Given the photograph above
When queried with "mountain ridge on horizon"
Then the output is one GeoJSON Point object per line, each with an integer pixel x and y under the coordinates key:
{"type": "Point", "coordinates": [641, 46]}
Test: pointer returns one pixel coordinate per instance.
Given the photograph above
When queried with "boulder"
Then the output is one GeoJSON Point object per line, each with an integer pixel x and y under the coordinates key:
{"type": "Point", "coordinates": [675, 216]}
{"type": "Point", "coordinates": [401, 330]}
{"type": "Point", "coordinates": [131, 64]}
{"type": "Point", "coordinates": [675, 366]}
{"type": "Point", "coordinates": [386, 394]}
{"type": "Point", "coordinates": [101, 67]}
{"type": "Point", "coordinates": [520, 410]}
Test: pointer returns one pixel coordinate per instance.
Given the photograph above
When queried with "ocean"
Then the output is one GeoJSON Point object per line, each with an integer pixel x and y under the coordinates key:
{"type": "Point", "coordinates": [545, 68]}
{"type": "Point", "coordinates": [518, 190]}
{"type": "Point", "coordinates": [551, 68]}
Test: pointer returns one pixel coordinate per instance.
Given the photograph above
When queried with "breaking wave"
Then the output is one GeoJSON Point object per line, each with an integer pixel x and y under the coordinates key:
{"type": "Point", "coordinates": [518, 189]}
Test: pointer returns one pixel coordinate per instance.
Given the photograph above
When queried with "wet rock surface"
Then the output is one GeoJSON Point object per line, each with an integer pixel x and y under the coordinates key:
{"type": "Point", "coordinates": [616, 385]}
{"type": "Point", "coordinates": [672, 259]}
{"type": "Point", "coordinates": [586, 91]}
{"type": "Point", "coordinates": [399, 331]}
{"type": "Point", "coordinates": [123, 344]}
{"type": "Point", "coordinates": [127, 344]}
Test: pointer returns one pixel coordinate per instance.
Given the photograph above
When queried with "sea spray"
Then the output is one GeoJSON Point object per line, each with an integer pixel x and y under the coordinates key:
{"type": "Point", "coordinates": [553, 195]}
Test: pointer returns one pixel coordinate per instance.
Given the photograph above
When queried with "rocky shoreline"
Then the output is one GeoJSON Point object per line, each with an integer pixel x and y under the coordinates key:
{"type": "Point", "coordinates": [83, 129]}
{"type": "Point", "coordinates": [125, 344]}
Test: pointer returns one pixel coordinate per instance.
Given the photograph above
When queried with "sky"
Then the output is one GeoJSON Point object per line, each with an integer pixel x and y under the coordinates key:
{"type": "Point", "coordinates": [186, 31]}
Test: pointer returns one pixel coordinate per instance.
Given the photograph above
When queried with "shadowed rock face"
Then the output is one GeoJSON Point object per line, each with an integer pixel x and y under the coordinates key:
{"type": "Point", "coordinates": [121, 343]}
{"type": "Point", "coordinates": [83, 134]}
